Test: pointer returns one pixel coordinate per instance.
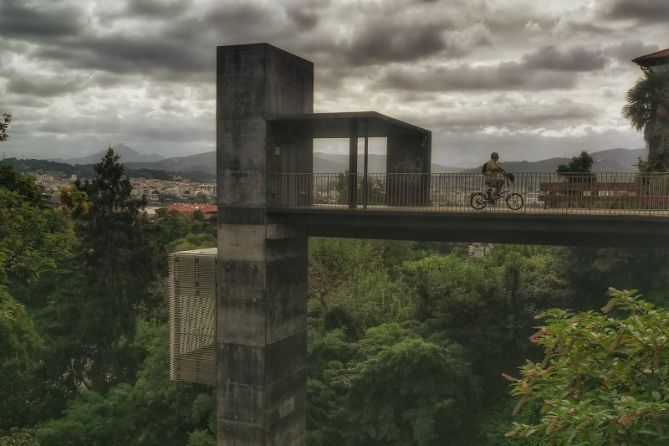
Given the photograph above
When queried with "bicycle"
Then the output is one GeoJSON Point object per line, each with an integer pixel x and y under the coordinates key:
{"type": "Point", "coordinates": [514, 200]}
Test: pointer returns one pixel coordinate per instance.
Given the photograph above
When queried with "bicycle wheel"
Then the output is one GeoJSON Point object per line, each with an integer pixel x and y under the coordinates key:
{"type": "Point", "coordinates": [514, 201]}
{"type": "Point", "coordinates": [478, 201]}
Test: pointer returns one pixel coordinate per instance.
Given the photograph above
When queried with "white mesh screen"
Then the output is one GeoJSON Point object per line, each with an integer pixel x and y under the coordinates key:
{"type": "Point", "coordinates": [192, 307]}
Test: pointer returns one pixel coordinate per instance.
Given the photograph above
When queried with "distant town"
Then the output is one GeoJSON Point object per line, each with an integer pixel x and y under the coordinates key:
{"type": "Point", "coordinates": [189, 181]}
{"type": "Point", "coordinates": [155, 191]}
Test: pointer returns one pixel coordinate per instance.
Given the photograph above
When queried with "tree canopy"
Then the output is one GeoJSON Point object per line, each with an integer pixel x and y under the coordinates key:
{"type": "Point", "coordinates": [5, 121]}
{"type": "Point", "coordinates": [581, 164]}
{"type": "Point", "coordinates": [603, 379]}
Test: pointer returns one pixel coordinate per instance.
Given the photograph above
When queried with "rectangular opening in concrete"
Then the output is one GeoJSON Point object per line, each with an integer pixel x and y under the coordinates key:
{"type": "Point", "coordinates": [331, 155]}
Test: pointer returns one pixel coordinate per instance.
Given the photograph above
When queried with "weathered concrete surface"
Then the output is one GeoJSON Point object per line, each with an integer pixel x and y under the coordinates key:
{"type": "Point", "coordinates": [489, 227]}
{"type": "Point", "coordinates": [408, 154]}
{"type": "Point", "coordinates": [262, 268]}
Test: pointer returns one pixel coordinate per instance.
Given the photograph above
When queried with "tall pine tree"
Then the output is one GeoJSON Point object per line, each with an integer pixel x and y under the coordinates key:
{"type": "Point", "coordinates": [99, 305]}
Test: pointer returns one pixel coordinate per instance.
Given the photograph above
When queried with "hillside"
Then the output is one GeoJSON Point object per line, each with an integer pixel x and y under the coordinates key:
{"type": "Point", "coordinates": [85, 171]}
{"type": "Point", "coordinates": [201, 162]}
{"type": "Point", "coordinates": [203, 165]}
{"type": "Point", "coordinates": [128, 155]}
{"type": "Point", "coordinates": [612, 160]}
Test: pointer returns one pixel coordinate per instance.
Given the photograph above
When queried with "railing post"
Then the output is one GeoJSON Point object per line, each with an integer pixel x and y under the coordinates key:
{"type": "Point", "coordinates": [353, 166]}
{"type": "Point", "coordinates": [364, 179]}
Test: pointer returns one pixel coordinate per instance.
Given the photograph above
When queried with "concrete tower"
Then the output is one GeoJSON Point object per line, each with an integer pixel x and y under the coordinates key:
{"type": "Point", "coordinates": [261, 268]}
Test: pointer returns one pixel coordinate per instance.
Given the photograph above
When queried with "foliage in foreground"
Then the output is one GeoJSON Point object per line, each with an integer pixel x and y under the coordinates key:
{"type": "Point", "coordinates": [152, 411]}
{"type": "Point", "coordinates": [604, 378]}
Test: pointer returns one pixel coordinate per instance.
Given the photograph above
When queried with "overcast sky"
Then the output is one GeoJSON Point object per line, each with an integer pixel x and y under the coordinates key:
{"type": "Point", "coordinates": [528, 78]}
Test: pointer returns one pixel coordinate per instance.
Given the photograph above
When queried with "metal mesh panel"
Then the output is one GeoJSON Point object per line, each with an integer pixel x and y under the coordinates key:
{"type": "Point", "coordinates": [192, 306]}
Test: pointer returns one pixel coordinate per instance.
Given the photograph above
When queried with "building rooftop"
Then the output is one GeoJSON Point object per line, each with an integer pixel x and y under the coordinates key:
{"type": "Point", "coordinates": [342, 125]}
{"type": "Point", "coordinates": [190, 208]}
{"type": "Point", "coordinates": [657, 58]}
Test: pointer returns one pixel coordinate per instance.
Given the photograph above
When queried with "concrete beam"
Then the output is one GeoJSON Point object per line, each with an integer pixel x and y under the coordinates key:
{"type": "Point", "coordinates": [538, 229]}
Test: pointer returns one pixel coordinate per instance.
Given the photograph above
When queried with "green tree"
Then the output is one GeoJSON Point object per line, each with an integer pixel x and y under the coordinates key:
{"type": "Point", "coordinates": [647, 109]}
{"type": "Point", "coordinates": [484, 304]}
{"type": "Point", "coordinates": [19, 437]}
{"type": "Point", "coordinates": [152, 411]}
{"type": "Point", "coordinates": [603, 379]}
{"type": "Point", "coordinates": [5, 121]}
{"type": "Point", "coordinates": [192, 241]}
{"type": "Point", "coordinates": [406, 390]}
{"type": "Point", "coordinates": [31, 239]}
{"type": "Point", "coordinates": [20, 345]}
{"type": "Point", "coordinates": [93, 320]}
{"type": "Point", "coordinates": [352, 286]}
{"type": "Point", "coordinates": [20, 183]}
{"type": "Point", "coordinates": [328, 353]}
{"type": "Point", "coordinates": [579, 169]}
{"type": "Point", "coordinates": [34, 242]}
{"type": "Point", "coordinates": [587, 274]}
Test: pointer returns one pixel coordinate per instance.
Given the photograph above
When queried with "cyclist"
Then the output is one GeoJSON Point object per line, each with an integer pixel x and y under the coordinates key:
{"type": "Point", "coordinates": [494, 176]}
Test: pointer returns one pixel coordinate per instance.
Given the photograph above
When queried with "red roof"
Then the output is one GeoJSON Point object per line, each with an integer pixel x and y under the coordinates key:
{"type": "Point", "coordinates": [657, 58]}
{"type": "Point", "coordinates": [190, 208]}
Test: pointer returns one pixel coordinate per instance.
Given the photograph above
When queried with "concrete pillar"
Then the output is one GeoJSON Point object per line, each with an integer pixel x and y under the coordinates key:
{"type": "Point", "coordinates": [407, 154]}
{"type": "Point", "coordinates": [261, 268]}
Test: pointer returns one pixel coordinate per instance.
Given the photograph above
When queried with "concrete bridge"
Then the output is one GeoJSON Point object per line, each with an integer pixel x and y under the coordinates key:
{"type": "Point", "coordinates": [604, 209]}
{"type": "Point", "coordinates": [270, 202]}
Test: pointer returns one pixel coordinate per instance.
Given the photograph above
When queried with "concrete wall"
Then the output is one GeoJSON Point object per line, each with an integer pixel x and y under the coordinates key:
{"type": "Point", "coordinates": [262, 269]}
{"type": "Point", "coordinates": [406, 155]}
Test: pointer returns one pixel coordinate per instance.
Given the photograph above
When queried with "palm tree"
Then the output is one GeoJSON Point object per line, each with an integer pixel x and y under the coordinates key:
{"type": "Point", "coordinates": [648, 110]}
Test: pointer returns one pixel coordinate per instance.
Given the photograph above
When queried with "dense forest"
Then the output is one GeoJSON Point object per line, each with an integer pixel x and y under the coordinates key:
{"type": "Point", "coordinates": [409, 343]}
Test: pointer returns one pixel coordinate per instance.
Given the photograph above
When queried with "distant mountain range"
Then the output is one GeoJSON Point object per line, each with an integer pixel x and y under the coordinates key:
{"type": "Point", "coordinates": [203, 165]}
{"type": "Point", "coordinates": [201, 162]}
{"type": "Point", "coordinates": [612, 160]}
{"type": "Point", "coordinates": [128, 155]}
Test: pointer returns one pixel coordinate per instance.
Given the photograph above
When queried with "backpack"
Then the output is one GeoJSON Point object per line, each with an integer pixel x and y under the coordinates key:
{"type": "Point", "coordinates": [484, 169]}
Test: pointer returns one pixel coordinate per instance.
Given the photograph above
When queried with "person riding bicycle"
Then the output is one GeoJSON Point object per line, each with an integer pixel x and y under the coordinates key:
{"type": "Point", "coordinates": [494, 175]}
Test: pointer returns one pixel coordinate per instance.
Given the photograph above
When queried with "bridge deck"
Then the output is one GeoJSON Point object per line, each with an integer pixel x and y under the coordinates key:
{"type": "Point", "coordinates": [547, 228]}
{"type": "Point", "coordinates": [497, 208]}
{"type": "Point", "coordinates": [602, 209]}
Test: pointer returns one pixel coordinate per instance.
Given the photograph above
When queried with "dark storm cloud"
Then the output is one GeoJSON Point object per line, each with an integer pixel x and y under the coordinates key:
{"type": "Point", "coordinates": [503, 76]}
{"type": "Point", "coordinates": [515, 23]}
{"type": "Point", "coordinates": [45, 87]}
{"type": "Point", "coordinates": [382, 42]}
{"type": "Point", "coordinates": [122, 54]}
{"type": "Point", "coordinates": [150, 58]}
{"type": "Point", "coordinates": [511, 114]}
{"type": "Point", "coordinates": [23, 19]}
{"type": "Point", "coordinates": [240, 16]}
{"type": "Point", "coordinates": [522, 116]}
{"type": "Point", "coordinates": [180, 50]}
{"type": "Point", "coordinates": [629, 49]}
{"type": "Point", "coordinates": [589, 29]}
{"type": "Point", "coordinates": [32, 102]}
{"type": "Point", "coordinates": [574, 59]}
{"type": "Point", "coordinates": [303, 19]}
{"type": "Point", "coordinates": [156, 8]}
{"type": "Point", "coordinates": [543, 69]}
{"type": "Point", "coordinates": [645, 11]}
{"type": "Point", "coordinates": [117, 128]}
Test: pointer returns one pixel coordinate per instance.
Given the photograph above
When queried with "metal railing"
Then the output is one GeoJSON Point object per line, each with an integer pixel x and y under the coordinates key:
{"type": "Point", "coordinates": [600, 193]}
